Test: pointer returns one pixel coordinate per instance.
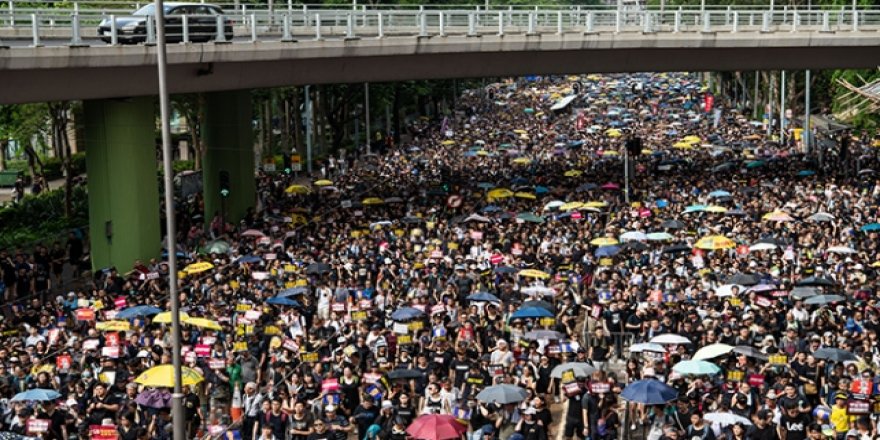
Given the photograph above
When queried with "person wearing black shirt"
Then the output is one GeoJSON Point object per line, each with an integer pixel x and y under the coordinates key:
{"type": "Point", "coordinates": [529, 427]}
{"type": "Point", "coordinates": [699, 430]}
{"type": "Point", "coordinates": [364, 416]}
{"type": "Point", "coordinates": [793, 424]}
{"type": "Point", "coordinates": [57, 421]}
{"type": "Point", "coordinates": [404, 409]}
{"type": "Point", "coordinates": [300, 422]}
{"type": "Point", "coordinates": [320, 432]}
{"type": "Point", "coordinates": [192, 408]}
{"type": "Point", "coordinates": [102, 405]}
{"type": "Point", "coordinates": [763, 428]}
{"type": "Point", "coordinates": [574, 420]}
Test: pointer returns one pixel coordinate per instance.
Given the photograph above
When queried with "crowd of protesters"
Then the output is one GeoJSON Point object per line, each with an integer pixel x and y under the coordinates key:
{"type": "Point", "coordinates": [498, 245]}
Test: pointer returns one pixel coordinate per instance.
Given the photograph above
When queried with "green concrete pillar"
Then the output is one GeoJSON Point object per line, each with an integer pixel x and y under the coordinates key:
{"type": "Point", "coordinates": [120, 135]}
{"type": "Point", "coordinates": [228, 137]}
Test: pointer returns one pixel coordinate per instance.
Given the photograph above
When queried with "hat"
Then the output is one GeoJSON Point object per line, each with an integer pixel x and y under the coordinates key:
{"type": "Point", "coordinates": [771, 395]}
{"type": "Point", "coordinates": [329, 408]}
{"type": "Point", "coordinates": [841, 396]}
{"type": "Point", "coordinates": [387, 404]}
{"type": "Point", "coordinates": [529, 411]}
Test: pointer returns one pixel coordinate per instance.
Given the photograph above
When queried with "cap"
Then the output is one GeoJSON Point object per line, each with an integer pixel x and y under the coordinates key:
{"type": "Point", "coordinates": [387, 404]}
{"type": "Point", "coordinates": [488, 429]}
{"type": "Point", "coordinates": [771, 395]}
{"type": "Point", "coordinates": [529, 411]}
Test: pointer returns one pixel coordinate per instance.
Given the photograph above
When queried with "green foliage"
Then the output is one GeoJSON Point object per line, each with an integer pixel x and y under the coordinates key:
{"type": "Point", "coordinates": [52, 166]}
{"type": "Point", "coordinates": [41, 217]}
{"type": "Point", "coordinates": [178, 166]}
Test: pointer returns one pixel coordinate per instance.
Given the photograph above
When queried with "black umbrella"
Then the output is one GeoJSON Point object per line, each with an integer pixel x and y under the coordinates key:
{"type": "Point", "coordinates": [834, 354]}
{"type": "Point", "coordinates": [743, 279]}
{"type": "Point", "coordinates": [751, 352]}
{"type": "Point", "coordinates": [538, 303]}
{"type": "Point", "coordinates": [318, 268]}
{"type": "Point", "coordinates": [672, 224]}
{"type": "Point", "coordinates": [817, 281]}
{"type": "Point", "coordinates": [405, 374]}
{"type": "Point", "coordinates": [676, 248]}
{"type": "Point", "coordinates": [634, 246]}
{"type": "Point", "coordinates": [804, 292]}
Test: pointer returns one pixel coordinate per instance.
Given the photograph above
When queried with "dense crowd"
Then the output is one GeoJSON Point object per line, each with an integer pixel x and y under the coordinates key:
{"type": "Point", "coordinates": [487, 279]}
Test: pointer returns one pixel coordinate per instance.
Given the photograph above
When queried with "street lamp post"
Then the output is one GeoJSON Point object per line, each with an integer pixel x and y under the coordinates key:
{"type": "Point", "coordinates": [177, 415]}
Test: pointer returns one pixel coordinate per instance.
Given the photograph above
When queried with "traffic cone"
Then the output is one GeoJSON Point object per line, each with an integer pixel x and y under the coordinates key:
{"type": "Point", "coordinates": [235, 409]}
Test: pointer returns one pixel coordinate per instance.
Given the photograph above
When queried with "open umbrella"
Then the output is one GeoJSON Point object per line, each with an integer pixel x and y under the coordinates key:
{"type": "Point", "coordinates": [647, 346]}
{"type": "Point", "coordinates": [405, 374]}
{"type": "Point", "coordinates": [436, 427]}
{"type": "Point", "coordinates": [134, 312]}
{"type": "Point", "coordinates": [162, 376]}
{"type": "Point", "coordinates": [200, 267]}
{"type": "Point", "coordinates": [712, 351]}
{"type": "Point", "coordinates": [282, 301]}
{"type": "Point", "coordinates": [696, 368]}
{"type": "Point", "coordinates": [633, 235]}
{"type": "Point", "coordinates": [672, 224]}
{"type": "Point", "coordinates": [538, 291]}
{"type": "Point", "coordinates": [821, 217]}
{"type": "Point", "coordinates": [677, 248]}
{"type": "Point", "coordinates": [670, 339]}
{"type": "Point", "coordinates": [217, 247]}
{"type": "Point", "coordinates": [817, 281]}
{"type": "Point", "coordinates": [604, 241]}
{"type": "Point", "coordinates": [841, 250]}
{"type": "Point", "coordinates": [531, 312]}
{"type": "Point", "coordinates": [803, 292]}
{"type": "Point", "coordinates": [294, 291]}
{"type": "Point", "coordinates": [834, 354]}
{"type": "Point", "coordinates": [824, 299]}
{"type": "Point", "coordinates": [530, 217]}
{"type": "Point", "coordinates": [503, 394]}
{"type": "Point", "coordinates": [36, 395]}
{"type": "Point", "coordinates": [252, 233]}
{"type": "Point", "coordinates": [649, 392]}
{"type": "Point", "coordinates": [318, 268]}
{"type": "Point", "coordinates": [870, 227]}
{"type": "Point", "coordinates": [165, 318]}
{"type": "Point", "coordinates": [659, 236]}
{"type": "Point", "coordinates": [407, 314]}
{"type": "Point", "coordinates": [113, 326]}
{"type": "Point", "coordinates": [483, 296]}
{"type": "Point", "coordinates": [540, 304]}
{"type": "Point", "coordinates": [607, 251]}
{"type": "Point", "coordinates": [535, 335]}
{"type": "Point", "coordinates": [715, 242]}
{"type": "Point", "coordinates": [154, 398]}
{"type": "Point", "coordinates": [743, 279]}
{"type": "Point", "coordinates": [581, 369]}
{"type": "Point", "coordinates": [725, 419]}
{"type": "Point", "coordinates": [762, 247]}
{"type": "Point", "coordinates": [751, 352]}
{"type": "Point", "coordinates": [204, 323]}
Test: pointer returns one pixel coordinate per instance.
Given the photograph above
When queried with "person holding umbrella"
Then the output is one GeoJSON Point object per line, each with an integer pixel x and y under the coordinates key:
{"type": "Point", "coordinates": [529, 427]}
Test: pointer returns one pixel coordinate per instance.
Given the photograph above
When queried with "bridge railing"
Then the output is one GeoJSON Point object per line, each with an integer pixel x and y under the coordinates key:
{"type": "Point", "coordinates": [81, 26]}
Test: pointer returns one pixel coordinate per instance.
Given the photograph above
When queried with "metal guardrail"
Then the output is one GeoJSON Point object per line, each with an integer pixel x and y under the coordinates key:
{"type": "Point", "coordinates": [303, 22]}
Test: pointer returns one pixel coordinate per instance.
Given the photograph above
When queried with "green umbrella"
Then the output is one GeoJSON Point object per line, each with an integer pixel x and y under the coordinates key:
{"type": "Point", "coordinates": [529, 217]}
{"type": "Point", "coordinates": [756, 164]}
{"type": "Point", "coordinates": [217, 247]}
{"type": "Point", "coordinates": [529, 110]}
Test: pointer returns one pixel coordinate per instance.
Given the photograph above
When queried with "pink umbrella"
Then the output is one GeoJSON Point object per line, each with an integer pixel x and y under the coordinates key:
{"type": "Point", "coordinates": [436, 427]}
{"type": "Point", "coordinates": [252, 233]}
{"type": "Point", "coordinates": [610, 185]}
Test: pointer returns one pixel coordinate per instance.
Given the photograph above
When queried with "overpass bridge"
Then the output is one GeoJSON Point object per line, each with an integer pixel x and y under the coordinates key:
{"type": "Point", "coordinates": [51, 54]}
{"type": "Point", "coordinates": [56, 54]}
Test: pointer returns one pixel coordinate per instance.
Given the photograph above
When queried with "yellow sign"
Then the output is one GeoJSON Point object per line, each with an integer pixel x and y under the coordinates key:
{"type": "Point", "coordinates": [568, 376]}
{"type": "Point", "coordinates": [240, 346]}
{"type": "Point", "coordinates": [243, 307]}
{"type": "Point", "coordinates": [310, 357]}
{"type": "Point", "coordinates": [99, 304]}
{"type": "Point", "coordinates": [736, 302]}
{"type": "Point", "coordinates": [548, 322]}
{"type": "Point", "coordinates": [272, 330]}
{"type": "Point", "coordinates": [416, 325]}
{"type": "Point", "coordinates": [404, 339]}
{"type": "Point", "coordinates": [778, 359]}
{"type": "Point", "coordinates": [735, 375]}
{"type": "Point", "coordinates": [358, 316]}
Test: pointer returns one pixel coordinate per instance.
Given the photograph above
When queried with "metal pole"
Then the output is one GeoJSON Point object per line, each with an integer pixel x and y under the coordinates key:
{"type": "Point", "coordinates": [308, 132]}
{"type": "Point", "coordinates": [806, 133]}
{"type": "Point", "coordinates": [177, 415]}
{"type": "Point", "coordinates": [367, 113]}
{"type": "Point", "coordinates": [755, 96]}
{"type": "Point", "coordinates": [782, 110]}
{"type": "Point", "coordinates": [626, 174]}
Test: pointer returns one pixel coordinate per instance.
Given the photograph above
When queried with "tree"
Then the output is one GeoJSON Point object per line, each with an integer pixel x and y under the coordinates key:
{"type": "Point", "coordinates": [192, 107]}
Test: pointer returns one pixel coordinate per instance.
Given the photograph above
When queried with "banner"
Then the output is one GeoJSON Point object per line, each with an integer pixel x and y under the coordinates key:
{"type": "Point", "coordinates": [102, 432]}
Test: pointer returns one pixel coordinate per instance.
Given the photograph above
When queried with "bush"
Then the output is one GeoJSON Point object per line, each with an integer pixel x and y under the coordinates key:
{"type": "Point", "coordinates": [52, 166]}
{"type": "Point", "coordinates": [41, 217]}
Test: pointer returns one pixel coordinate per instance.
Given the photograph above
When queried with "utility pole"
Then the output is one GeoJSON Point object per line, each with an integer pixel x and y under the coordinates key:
{"type": "Point", "coordinates": [308, 130]}
{"type": "Point", "coordinates": [806, 136]}
{"type": "Point", "coordinates": [626, 174]}
{"type": "Point", "coordinates": [367, 111]}
{"type": "Point", "coordinates": [177, 415]}
{"type": "Point", "coordinates": [782, 110]}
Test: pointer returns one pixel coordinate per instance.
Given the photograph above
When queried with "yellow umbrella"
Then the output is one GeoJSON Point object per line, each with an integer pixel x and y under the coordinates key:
{"type": "Point", "coordinates": [373, 201]}
{"type": "Point", "coordinates": [162, 376]}
{"type": "Point", "coordinates": [692, 139]}
{"type": "Point", "coordinates": [613, 132]}
{"type": "Point", "coordinates": [522, 161]}
{"type": "Point", "coordinates": [610, 153]}
{"type": "Point", "coordinates": [323, 182]}
{"type": "Point", "coordinates": [604, 241]}
{"type": "Point", "coordinates": [297, 189]}
{"type": "Point", "coordinates": [165, 318]}
{"type": "Point", "coordinates": [683, 145]}
{"type": "Point", "coordinates": [647, 151]}
{"type": "Point", "coordinates": [715, 242]}
{"type": "Point", "coordinates": [778, 216]}
{"type": "Point", "coordinates": [573, 173]}
{"type": "Point", "coordinates": [595, 204]}
{"type": "Point", "coordinates": [571, 205]}
{"type": "Point", "coordinates": [524, 195]}
{"type": "Point", "coordinates": [203, 323]}
{"type": "Point", "coordinates": [534, 273]}
{"type": "Point", "coordinates": [875, 264]}
{"type": "Point", "coordinates": [482, 153]}
{"type": "Point", "coordinates": [113, 326]}
{"type": "Point", "coordinates": [520, 131]}
{"type": "Point", "coordinates": [198, 267]}
{"type": "Point", "coordinates": [718, 209]}
{"type": "Point", "coordinates": [500, 193]}
{"type": "Point", "coordinates": [447, 143]}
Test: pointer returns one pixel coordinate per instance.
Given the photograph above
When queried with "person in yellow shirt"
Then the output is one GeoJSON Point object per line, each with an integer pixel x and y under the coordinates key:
{"type": "Point", "coordinates": [840, 419]}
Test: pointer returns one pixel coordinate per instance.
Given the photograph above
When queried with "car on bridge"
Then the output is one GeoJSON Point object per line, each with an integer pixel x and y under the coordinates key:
{"type": "Point", "coordinates": [201, 24]}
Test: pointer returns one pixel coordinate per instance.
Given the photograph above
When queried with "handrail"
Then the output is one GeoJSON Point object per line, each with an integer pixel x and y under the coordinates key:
{"type": "Point", "coordinates": [79, 26]}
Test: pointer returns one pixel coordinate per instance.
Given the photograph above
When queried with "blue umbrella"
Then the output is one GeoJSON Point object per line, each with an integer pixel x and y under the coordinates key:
{"type": "Point", "coordinates": [36, 395]}
{"type": "Point", "coordinates": [293, 291]}
{"type": "Point", "coordinates": [483, 296]}
{"type": "Point", "coordinates": [607, 251]}
{"type": "Point", "coordinates": [519, 181]}
{"type": "Point", "coordinates": [282, 301]}
{"type": "Point", "coordinates": [485, 185]}
{"type": "Point", "coordinates": [505, 269]}
{"type": "Point", "coordinates": [719, 193]}
{"type": "Point", "coordinates": [541, 189]}
{"type": "Point", "coordinates": [491, 208]}
{"type": "Point", "coordinates": [406, 314]}
{"type": "Point", "coordinates": [531, 312]}
{"type": "Point", "coordinates": [805, 173]}
{"type": "Point", "coordinates": [649, 392]}
{"type": "Point", "coordinates": [248, 259]}
{"type": "Point", "coordinates": [134, 312]}
{"type": "Point", "coordinates": [871, 227]}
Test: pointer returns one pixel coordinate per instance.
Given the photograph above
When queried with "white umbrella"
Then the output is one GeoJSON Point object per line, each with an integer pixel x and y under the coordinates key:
{"type": "Point", "coordinates": [647, 346]}
{"type": "Point", "coordinates": [670, 338]}
{"type": "Point", "coordinates": [762, 247]}
{"type": "Point", "coordinates": [553, 205]}
{"type": "Point", "coordinates": [712, 351]}
{"type": "Point", "coordinates": [538, 291]}
{"type": "Point", "coordinates": [659, 236]}
{"type": "Point", "coordinates": [477, 218]}
{"type": "Point", "coordinates": [633, 236]}
{"type": "Point", "coordinates": [821, 217]}
{"type": "Point", "coordinates": [726, 419]}
{"type": "Point", "coordinates": [727, 290]}
{"type": "Point", "coordinates": [841, 250]}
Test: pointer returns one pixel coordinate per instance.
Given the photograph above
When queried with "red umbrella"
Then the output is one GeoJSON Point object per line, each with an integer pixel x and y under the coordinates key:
{"type": "Point", "coordinates": [610, 185]}
{"type": "Point", "coordinates": [436, 427]}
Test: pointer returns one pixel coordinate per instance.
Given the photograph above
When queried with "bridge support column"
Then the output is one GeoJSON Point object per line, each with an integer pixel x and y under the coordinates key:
{"type": "Point", "coordinates": [123, 185]}
{"type": "Point", "coordinates": [229, 149]}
